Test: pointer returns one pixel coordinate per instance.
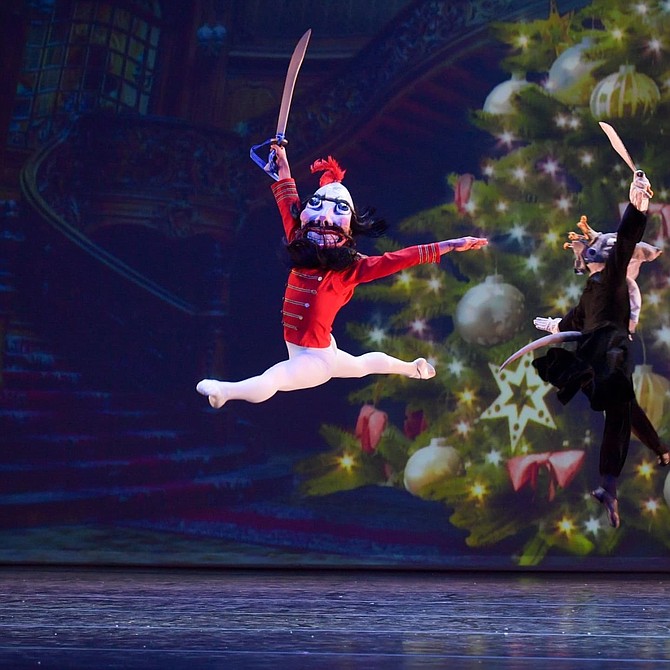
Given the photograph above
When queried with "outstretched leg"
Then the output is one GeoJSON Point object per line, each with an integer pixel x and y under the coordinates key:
{"type": "Point", "coordinates": [305, 368]}
{"type": "Point", "coordinates": [379, 363]}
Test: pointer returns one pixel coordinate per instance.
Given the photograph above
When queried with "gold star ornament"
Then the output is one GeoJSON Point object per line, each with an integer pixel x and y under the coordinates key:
{"type": "Point", "coordinates": [521, 398]}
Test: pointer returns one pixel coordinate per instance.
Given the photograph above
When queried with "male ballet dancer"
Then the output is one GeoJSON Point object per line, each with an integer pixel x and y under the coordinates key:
{"type": "Point", "coordinates": [326, 269]}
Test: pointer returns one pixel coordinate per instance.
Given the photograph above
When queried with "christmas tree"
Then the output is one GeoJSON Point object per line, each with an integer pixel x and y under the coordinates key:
{"type": "Point", "coordinates": [495, 446]}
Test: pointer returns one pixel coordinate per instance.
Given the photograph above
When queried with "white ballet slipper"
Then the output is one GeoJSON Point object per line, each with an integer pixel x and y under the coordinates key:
{"type": "Point", "coordinates": [424, 370]}
{"type": "Point", "coordinates": [214, 390]}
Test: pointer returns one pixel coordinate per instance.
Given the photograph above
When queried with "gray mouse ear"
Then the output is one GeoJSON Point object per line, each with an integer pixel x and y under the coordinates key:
{"type": "Point", "coordinates": [646, 252]}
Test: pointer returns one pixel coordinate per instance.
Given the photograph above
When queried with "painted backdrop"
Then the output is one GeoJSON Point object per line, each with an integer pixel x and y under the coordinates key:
{"type": "Point", "coordinates": [140, 252]}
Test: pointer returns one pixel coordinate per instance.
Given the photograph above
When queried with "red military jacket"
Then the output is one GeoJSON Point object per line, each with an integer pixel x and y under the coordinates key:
{"type": "Point", "coordinates": [313, 297]}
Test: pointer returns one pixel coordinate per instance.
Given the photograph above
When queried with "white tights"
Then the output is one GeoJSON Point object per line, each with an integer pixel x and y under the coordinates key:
{"type": "Point", "coordinates": [307, 367]}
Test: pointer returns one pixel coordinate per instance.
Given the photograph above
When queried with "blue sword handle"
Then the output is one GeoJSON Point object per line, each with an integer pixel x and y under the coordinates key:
{"type": "Point", "coordinates": [269, 166]}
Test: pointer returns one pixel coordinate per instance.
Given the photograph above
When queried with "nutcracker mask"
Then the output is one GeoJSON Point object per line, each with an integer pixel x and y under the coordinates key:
{"type": "Point", "coordinates": [326, 218]}
{"type": "Point", "coordinates": [329, 223]}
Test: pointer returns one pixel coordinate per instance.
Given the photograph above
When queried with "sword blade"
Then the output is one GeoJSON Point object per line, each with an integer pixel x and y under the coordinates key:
{"type": "Point", "coordinates": [289, 83]}
{"type": "Point", "coordinates": [547, 340]}
{"type": "Point", "coordinates": [617, 144]}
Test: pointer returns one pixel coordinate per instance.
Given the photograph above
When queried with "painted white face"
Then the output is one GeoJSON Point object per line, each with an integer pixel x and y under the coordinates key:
{"type": "Point", "coordinates": [330, 206]}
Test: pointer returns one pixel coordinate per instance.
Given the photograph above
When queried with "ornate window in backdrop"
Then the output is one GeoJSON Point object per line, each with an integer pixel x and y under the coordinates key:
{"type": "Point", "coordinates": [84, 55]}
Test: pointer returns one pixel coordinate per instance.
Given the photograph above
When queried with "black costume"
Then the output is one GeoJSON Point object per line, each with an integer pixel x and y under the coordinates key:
{"type": "Point", "coordinates": [601, 365]}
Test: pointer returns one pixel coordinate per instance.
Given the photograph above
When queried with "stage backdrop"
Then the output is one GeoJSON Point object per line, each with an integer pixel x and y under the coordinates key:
{"type": "Point", "coordinates": [141, 251]}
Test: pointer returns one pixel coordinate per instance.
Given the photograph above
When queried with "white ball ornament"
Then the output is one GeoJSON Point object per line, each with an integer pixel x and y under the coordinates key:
{"type": "Point", "coordinates": [490, 313]}
{"type": "Point", "coordinates": [430, 465]}
{"type": "Point", "coordinates": [500, 100]}
{"type": "Point", "coordinates": [569, 79]}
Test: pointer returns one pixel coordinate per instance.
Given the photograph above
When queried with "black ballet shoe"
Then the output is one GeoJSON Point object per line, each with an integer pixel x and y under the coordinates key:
{"type": "Point", "coordinates": [664, 459]}
{"type": "Point", "coordinates": [611, 505]}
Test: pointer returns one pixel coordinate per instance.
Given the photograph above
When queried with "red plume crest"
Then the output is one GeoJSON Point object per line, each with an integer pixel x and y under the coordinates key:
{"type": "Point", "coordinates": [332, 172]}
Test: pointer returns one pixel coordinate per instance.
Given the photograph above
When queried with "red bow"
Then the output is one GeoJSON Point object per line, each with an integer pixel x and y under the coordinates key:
{"type": "Point", "coordinates": [462, 191]}
{"type": "Point", "coordinates": [369, 427]}
{"type": "Point", "coordinates": [415, 423]}
{"type": "Point", "coordinates": [561, 465]}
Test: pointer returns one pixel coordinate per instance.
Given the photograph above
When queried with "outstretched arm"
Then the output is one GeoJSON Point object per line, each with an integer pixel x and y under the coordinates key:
{"type": "Point", "coordinates": [548, 323]}
{"type": "Point", "coordinates": [573, 320]}
{"type": "Point", "coordinates": [462, 244]}
{"type": "Point", "coordinates": [369, 268]}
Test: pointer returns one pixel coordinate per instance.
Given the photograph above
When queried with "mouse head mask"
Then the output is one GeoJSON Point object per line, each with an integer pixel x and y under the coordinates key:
{"type": "Point", "coordinates": [591, 250]}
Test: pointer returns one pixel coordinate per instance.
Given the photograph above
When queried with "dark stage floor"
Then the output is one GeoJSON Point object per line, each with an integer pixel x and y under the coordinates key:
{"type": "Point", "coordinates": [114, 618]}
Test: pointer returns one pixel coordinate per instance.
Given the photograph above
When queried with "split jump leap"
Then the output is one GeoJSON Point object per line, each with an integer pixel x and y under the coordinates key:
{"type": "Point", "coordinates": [326, 269]}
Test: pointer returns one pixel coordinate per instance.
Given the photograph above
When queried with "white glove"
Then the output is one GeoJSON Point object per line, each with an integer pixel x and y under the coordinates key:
{"type": "Point", "coordinates": [546, 323]}
{"type": "Point", "coordinates": [640, 192]}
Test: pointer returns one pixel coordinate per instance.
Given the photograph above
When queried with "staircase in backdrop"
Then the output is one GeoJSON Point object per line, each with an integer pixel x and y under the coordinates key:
{"type": "Point", "coordinates": [75, 454]}
{"type": "Point", "coordinates": [90, 475]}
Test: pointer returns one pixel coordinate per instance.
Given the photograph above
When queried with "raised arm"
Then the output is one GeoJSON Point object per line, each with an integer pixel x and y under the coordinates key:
{"type": "Point", "coordinates": [286, 193]}
{"type": "Point", "coordinates": [283, 168]}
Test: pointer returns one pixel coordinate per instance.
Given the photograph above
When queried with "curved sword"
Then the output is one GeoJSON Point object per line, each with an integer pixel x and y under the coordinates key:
{"type": "Point", "coordinates": [289, 84]}
{"type": "Point", "coordinates": [546, 341]}
{"type": "Point", "coordinates": [619, 146]}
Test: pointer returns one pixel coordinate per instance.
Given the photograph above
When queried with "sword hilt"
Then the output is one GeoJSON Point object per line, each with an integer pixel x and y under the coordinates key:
{"type": "Point", "coordinates": [269, 166]}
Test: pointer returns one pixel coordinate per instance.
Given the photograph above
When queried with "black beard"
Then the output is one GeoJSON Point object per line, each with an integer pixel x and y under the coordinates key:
{"type": "Point", "coordinates": [304, 253]}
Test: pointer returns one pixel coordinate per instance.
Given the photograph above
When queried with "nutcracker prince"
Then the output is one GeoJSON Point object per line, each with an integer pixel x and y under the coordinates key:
{"type": "Point", "coordinates": [325, 270]}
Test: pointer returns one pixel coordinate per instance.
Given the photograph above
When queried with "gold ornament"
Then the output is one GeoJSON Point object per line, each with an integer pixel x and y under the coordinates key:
{"type": "Point", "coordinates": [521, 398]}
{"type": "Point", "coordinates": [651, 391]}
{"type": "Point", "coordinates": [624, 94]}
{"type": "Point", "coordinates": [666, 490]}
